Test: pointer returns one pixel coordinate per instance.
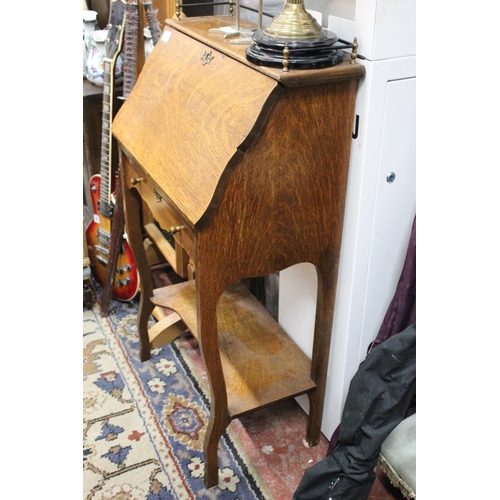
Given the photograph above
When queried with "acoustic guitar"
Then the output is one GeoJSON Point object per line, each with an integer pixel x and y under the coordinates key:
{"type": "Point", "coordinates": [126, 278]}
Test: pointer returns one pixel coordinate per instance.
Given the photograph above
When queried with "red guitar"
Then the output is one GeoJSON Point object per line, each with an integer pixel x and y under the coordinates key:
{"type": "Point", "coordinates": [126, 281]}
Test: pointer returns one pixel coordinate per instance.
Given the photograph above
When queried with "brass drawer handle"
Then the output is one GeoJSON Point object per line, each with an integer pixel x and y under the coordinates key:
{"type": "Point", "coordinates": [175, 229]}
{"type": "Point", "coordinates": [135, 181]}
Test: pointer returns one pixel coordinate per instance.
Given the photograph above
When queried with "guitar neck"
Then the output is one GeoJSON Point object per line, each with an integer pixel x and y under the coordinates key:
{"type": "Point", "coordinates": [116, 28]}
{"type": "Point", "coordinates": [106, 138]}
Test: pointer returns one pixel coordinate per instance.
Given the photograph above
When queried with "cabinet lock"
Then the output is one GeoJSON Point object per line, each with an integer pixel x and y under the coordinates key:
{"type": "Point", "coordinates": [391, 177]}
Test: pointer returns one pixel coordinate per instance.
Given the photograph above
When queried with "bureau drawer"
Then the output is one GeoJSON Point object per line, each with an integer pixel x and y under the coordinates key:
{"type": "Point", "coordinates": [159, 205]}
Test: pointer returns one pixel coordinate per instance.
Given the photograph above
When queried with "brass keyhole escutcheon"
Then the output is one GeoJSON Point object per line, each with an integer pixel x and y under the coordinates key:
{"type": "Point", "coordinates": [206, 58]}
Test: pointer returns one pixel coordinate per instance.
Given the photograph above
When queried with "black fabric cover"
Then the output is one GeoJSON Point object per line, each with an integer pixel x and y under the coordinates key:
{"type": "Point", "coordinates": [401, 312]}
{"type": "Point", "coordinates": [378, 399]}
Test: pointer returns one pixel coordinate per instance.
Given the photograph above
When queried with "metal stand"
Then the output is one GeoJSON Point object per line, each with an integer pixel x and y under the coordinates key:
{"type": "Point", "coordinates": [235, 31]}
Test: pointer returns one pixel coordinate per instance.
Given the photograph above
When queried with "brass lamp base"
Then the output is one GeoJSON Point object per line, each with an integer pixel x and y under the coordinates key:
{"type": "Point", "coordinates": [294, 23]}
{"type": "Point", "coordinates": [295, 40]}
{"type": "Point", "coordinates": [315, 54]}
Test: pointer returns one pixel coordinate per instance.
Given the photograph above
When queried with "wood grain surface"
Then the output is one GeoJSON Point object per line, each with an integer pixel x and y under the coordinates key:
{"type": "Point", "coordinates": [253, 163]}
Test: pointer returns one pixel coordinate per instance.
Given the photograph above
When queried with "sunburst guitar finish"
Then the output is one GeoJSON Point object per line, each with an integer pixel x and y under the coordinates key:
{"type": "Point", "coordinates": [126, 281]}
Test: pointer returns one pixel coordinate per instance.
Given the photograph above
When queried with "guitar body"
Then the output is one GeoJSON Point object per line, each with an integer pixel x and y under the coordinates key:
{"type": "Point", "coordinates": [126, 280]}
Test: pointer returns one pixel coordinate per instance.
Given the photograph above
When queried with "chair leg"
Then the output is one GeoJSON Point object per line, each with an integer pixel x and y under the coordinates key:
{"type": "Point", "coordinates": [133, 222]}
{"type": "Point", "coordinates": [216, 428]}
{"type": "Point", "coordinates": [321, 348]}
{"type": "Point", "coordinates": [208, 294]}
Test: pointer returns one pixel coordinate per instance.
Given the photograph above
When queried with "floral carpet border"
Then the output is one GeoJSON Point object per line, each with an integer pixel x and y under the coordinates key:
{"type": "Point", "coordinates": [144, 422]}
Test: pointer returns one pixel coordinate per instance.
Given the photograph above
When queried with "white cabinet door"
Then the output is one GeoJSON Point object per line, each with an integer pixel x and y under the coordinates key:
{"type": "Point", "coordinates": [395, 201]}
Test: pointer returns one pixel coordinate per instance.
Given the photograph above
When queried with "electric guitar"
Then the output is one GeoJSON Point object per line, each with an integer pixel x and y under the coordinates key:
{"type": "Point", "coordinates": [126, 278]}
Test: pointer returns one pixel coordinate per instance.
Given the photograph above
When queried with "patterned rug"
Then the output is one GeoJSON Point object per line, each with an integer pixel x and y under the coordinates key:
{"type": "Point", "coordinates": [139, 444]}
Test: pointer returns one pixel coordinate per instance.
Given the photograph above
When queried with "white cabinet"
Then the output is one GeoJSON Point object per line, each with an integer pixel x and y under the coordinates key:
{"type": "Point", "coordinates": [379, 214]}
{"type": "Point", "coordinates": [384, 28]}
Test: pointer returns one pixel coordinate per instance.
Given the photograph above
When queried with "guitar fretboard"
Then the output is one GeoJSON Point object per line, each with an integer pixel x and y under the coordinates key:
{"type": "Point", "coordinates": [106, 149]}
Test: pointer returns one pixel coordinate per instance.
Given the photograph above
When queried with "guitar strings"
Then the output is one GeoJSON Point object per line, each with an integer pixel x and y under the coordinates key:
{"type": "Point", "coordinates": [153, 24]}
{"type": "Point", "coordinates": [130, 41]}
{"type": "Point", "coordinates": [130, 48]}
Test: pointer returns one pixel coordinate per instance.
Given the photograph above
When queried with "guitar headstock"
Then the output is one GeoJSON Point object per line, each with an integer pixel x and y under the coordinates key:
{"type": "Point", "coordinates": [116, 27]}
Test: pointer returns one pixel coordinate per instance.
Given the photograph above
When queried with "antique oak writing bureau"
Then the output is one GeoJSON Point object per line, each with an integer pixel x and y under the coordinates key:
{"type": "Point", "coordinates": [248, 167]}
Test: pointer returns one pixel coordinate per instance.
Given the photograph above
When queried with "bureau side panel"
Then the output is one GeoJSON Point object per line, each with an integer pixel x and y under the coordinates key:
{"type": "Point", "coordinates": [285, 202]}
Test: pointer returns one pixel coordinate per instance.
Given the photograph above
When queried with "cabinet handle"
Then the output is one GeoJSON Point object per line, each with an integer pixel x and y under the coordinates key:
{"type": "Point", "coordinates": [135, 181]}
{"type": "Point", "coordinates": [175, 229]}
{"type": "Point", "coordinates": [356, 128]}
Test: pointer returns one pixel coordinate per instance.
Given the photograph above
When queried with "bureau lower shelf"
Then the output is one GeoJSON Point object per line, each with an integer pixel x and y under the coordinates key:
{"type": "Point", "coordinates": [260, 362]}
